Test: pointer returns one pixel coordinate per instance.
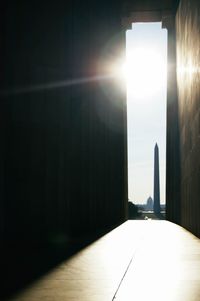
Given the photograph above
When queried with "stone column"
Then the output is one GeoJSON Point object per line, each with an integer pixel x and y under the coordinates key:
{"type": "Point", "coordinates": [173, 145]}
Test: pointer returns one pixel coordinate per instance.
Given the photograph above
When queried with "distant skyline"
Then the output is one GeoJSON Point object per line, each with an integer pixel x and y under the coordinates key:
{"type": "Point", "coordinates": [146, 114]}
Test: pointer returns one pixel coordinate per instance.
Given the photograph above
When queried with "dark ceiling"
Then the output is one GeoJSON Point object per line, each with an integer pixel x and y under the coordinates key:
{"type": "Point", "coordinates": [150, 5]}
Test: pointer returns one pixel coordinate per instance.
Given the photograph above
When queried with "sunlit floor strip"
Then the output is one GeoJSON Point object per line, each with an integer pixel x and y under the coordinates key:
{"type": "Point", "coordinates": [166, 267]}
{"type": "Point", "coordinates": [140, 260]}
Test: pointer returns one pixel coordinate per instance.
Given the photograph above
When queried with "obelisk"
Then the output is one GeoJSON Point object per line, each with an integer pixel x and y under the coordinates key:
{"type": "Point", "coordinates": [156, 193]}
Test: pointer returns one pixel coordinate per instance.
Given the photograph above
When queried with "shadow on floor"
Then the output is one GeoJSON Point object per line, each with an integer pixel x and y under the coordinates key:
{"type": "Point", "coordinates": [22, 264]}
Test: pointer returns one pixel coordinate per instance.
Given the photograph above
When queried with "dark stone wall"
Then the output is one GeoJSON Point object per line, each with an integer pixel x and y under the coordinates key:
{"type": "Point", "coordinates": [173, 204]}
{"type": "Point", "coordinates": [188, 75]}
{"type": "Point", "coordinates": [63, 139]}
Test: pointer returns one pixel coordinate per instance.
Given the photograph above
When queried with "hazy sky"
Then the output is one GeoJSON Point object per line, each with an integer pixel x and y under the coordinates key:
{"type": "Point", "coordinates": [146, 110]}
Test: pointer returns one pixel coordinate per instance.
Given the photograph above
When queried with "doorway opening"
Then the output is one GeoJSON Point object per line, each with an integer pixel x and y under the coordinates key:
{"type": "Point", "coordinates": [146, 72]}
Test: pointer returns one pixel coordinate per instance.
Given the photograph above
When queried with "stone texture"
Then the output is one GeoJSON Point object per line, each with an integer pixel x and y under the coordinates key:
{"type": "Point", "coordinates": [188, 77]}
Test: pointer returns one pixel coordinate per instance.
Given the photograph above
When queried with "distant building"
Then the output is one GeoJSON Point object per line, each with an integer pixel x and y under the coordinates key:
{"type": "Point", "coordinates": [149, 204]}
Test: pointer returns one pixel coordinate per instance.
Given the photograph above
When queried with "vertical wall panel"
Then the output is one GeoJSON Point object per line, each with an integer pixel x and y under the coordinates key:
{"type": "Point", "coordinates": [173, 206]}
{"type": "Point", "coordinates": [188, 58]}
{"type": "Point", "coordinates": [64, 142]}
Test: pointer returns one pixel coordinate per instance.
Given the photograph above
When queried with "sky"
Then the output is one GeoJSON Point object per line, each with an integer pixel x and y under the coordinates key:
{"type": "Point", "coordinates": [146, 106]}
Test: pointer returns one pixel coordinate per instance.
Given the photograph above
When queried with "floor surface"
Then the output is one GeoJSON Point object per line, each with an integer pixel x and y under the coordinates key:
{"type": "Point", "coordinates": [139, 260]}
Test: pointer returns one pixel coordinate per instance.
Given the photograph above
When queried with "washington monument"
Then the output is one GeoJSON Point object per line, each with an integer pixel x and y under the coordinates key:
{"type": "Point", "coordinates": [156, 193]}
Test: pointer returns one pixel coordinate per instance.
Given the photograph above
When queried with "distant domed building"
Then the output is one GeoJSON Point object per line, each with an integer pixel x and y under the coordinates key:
{"type": "Point", "coordinates": [149, 204]}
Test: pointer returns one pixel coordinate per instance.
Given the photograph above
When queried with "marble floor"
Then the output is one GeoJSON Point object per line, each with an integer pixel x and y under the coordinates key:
{"type": "Point", "coordinates": [139, 260]}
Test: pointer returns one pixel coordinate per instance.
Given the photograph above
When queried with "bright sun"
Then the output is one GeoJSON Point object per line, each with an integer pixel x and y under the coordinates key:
{"type": "Point", "coordinates": [145, 72]}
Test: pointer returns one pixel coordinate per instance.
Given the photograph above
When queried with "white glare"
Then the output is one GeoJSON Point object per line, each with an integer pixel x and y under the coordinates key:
{"type": "Point", "coordinates": [145, 72]}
